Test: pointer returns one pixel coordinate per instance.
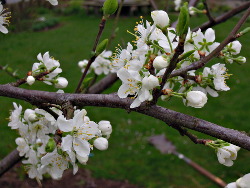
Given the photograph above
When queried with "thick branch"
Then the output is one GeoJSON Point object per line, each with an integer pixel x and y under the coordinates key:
{"type": "Point", "coordinates": [9, 161]}
{"type": "Point", "coordinates": [113, 101]}
{"type": "Point", "coordinates": [223, 17]}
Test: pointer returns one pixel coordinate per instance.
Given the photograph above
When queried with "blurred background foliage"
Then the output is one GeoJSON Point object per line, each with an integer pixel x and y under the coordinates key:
{"type": "Point", "coordinates": [67, 32]}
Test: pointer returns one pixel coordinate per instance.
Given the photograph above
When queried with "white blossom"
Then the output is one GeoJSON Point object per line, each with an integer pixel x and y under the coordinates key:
{"type": "Point", "coordinates": [80, 131]}
{"type": "Point", "coordinates": [55, 164]}
{"type": "Point", "coordinates": [23, 146]}
{"type": "Point", "coordinates": [30, 80]}
{"type": "Point", "coordinates": [196, 99]}
{"type": "Point", "coordinates": [101, 143]}
{"type": "Point", "coordinates": [15, 118]}
{"type": "Point", "coordinates": [205, 42]}
{"type": "Point", "coordinates": [105, 127]}
{"type": "Point", "coordinates": [177, 4]}
{"type": "Point", "coordinates": [46, 64]}
{"type": "Point", "coordinates": [218, 71]}
{"type": "Point", "coordinates": [101, 65]}
{"type": "Point", "coordinates": [227, 154]}
{"type": "Point", "coordinates": [30, 115]}
{"type": "Point", "coordinates": [61, 82]}
{"type": "Point", "coordinates": [160, 62]}
{"type": "Point", "coordinates": [160, 18]}
{"type": "Point", "coordinates": [243, 182]}
{"type": "Point", "coordinates": [235, 46]}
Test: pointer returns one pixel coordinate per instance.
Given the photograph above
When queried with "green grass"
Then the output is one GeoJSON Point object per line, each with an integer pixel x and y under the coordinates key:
{"type": "Point", "coordinates": [129, 156]}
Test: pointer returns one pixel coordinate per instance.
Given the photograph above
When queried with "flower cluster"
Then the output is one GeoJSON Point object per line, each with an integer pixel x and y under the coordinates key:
{"type": "Point", "coordinates": [48, 71]}
{"type": "Point", "coordinates": [243, 182]}
{"type": "Point", "coordinates": [101, 65]}
{"type": "Point", "coordinates": [4, 19]}
{"type": "Point", "coordinates": [141, 68]}
{"type": "Point", "coordinates": [51, 145]}
{"type": "Point", "coordinates": [226, 152]}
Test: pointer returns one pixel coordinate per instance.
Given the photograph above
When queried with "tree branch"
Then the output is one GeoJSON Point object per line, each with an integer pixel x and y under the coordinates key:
{"type": "Point", "coordinates": [92, 59]}
{"type": "Point", "coordinates": [193, 138]}
{"type": "Point", "coordinates": [208, 13]}
{"type": "Point", "coordinates": [223, 17]}
{"type": "Point", "coordinates": [9, 161]}
{"type": "Point", "coordinates": [113, 101]}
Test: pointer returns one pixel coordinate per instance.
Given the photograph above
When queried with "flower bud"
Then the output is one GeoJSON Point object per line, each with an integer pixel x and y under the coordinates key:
{"type": "Point", "coordinates": [244, 181]}
{"type": "Point", "coordinates": [51, 145]}
{"type": "Point", "coordinates": [183, 21]}
{"type": "Point", "coordinates": [83, 64]}
{"type": "Point", "coordinates": [61, 82]}
{"type": "Point", "coordinates": [30, 80]}
{"type": "Point", "coordinates": [109, 7]}
{"type": "Point", "coordinates": [105, 127]}
{"type": "Point", "coordinates": [160, 18]}
{"type": "Point", "coordinates": [160, 62]}
{"type": "Point", "coordinates": [101, 143]}
{"type": "Point", "coordinates": [30, 115]}
{"type": "Point", "coordinates": [150, 82]}
{"type": "Point", "coordinates": [101, 46]}
{"type": "Point", "coordinates": [241, 59]}
{"type": "Point", "coordinates": [196, 99]}
{"type": "Point", "coordinates": [236, 46]}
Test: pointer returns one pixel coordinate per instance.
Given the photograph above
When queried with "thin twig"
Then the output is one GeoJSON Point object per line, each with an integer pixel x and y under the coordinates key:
{"type": "Point", "coordinates": [223, 17]}
{"type": "Point", "coordinates": [172, 65]}
{"type": "Point", "coordinates": [12, 74]}
{"type": "Point", "coordinates": [208, 13]}
{"type": "Point", "coordinates": [193, 138]}
{"type": "Point", "coordinates": [92, 59]}
{"type": "Point", "coordinates": [113, 34]}
{"type": "Point", "coordinates": [24, 80]}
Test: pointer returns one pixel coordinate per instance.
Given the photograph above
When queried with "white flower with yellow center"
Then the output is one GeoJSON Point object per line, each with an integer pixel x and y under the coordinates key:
{"type": "Point", "coordinates": [46, 64]}
{"type": "Point", "coordinates": [79, 132]}
{"type": "Point", "coordinates": [218, 71]}
{"type": "Point", "coordinates": [55, 164]}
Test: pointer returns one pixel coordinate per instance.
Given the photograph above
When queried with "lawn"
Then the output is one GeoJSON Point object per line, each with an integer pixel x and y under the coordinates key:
{"type": "Point", "coordinates": [129, 156]}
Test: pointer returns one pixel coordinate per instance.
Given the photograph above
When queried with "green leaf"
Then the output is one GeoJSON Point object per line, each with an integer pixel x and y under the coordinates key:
{"type": "Point", "coordinates": [109, 7]}
{"type": "Point", "coordinates": [183, 21]}
{"type": "Point", "coordinates": [187, 54]}
{"type": "Point", "coordinates": [101, 47]}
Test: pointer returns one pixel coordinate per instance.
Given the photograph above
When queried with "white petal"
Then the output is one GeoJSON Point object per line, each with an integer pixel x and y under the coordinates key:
{"type": "Point", "coordinates": [67, 143]}
{"type": "Point", "coordinates": [63, 124]}
{"type": "Point", "coordinates": [135, 103]}
{"type": "Point", "coordinates": [3, 29]}
{"type": "Point", "coordinates": [210, 35]}
{"type": "Point", "coordinates": [122, 91]}
{"type": "Point", "coordinates": [82, 147]}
